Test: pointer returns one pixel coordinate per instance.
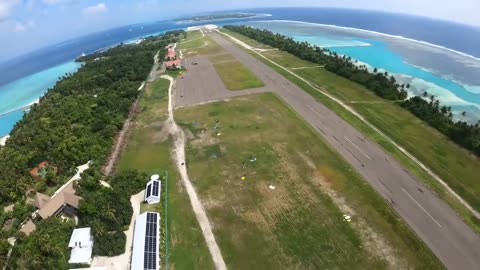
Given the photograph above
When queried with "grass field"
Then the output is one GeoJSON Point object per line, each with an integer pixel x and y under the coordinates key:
{"type": "Point", "coordinates": [195, 46]}
{"type": "Point", "coordinates": [453, 164]}
{"type": "Point", "coordinates": [299, 224]}
{"type": "Point", "coordinates": [148, 150]}
{"type": "Point", "coordinates": [236, 76]}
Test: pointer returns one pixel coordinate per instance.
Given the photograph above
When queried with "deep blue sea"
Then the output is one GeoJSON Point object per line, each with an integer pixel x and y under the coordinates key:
{"type": "Point", "coordinates": [450, 74]}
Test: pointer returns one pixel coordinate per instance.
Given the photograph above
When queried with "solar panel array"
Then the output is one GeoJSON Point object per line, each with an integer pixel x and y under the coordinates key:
{"type": "Point", "coordinates": [149, 190]}
{"type": "Point", "coordinates": [151, 237]}
{"type": "Point", "coordinates": [155, 188]}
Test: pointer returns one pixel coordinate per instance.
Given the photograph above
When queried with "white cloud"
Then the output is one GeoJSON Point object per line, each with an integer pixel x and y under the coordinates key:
{"type": "Point", "coordinates": [99, 8]}
{"type": "Point", "coordinates": [30, 4]}
{"type": "Point", "coordinates": [52, 2]}
{"type": "Point", "coordinates": [23, 26]}
{"type": "Point", "coordinates": [6, 7]}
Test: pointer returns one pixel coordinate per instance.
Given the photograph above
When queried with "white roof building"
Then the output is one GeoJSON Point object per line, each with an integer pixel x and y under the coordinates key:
{"type": "Point", "coordinates": [153, 190]}
{"type": "Point", "coordinates": [146, 242]}
{"type": "Point", "coordinates": [81, 243]}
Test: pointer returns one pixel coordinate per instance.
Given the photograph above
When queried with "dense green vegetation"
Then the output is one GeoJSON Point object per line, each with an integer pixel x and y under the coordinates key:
{"type": "Point", "coordinates": [45, 248]}
{"type": "Point", "coordinates": [74, 122]}
{"type": "Point", "coordinates": [437, 116]}
{"type": "Point", "coordinates": [108, 211]}
{"type": "Point", "coordinates": [78, 118]}
{"type": "Point", "coordinates": [441, 118]}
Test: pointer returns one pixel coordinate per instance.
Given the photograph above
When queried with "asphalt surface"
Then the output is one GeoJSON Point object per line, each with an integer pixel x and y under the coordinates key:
{"type": "Point", "coordinates": [203, 84]}
{"type": "Point", "coordinates": [450, 239]}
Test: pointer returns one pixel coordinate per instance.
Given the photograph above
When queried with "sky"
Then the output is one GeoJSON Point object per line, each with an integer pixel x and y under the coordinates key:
{"type": "Point", "coordinates": [29, 24]}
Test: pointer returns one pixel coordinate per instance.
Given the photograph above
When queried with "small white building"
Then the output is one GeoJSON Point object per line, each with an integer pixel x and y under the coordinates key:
{"type": "Point", "coordinates": [146, 242]}
{"type": "Point", "coordinates": [153, 190]}
{"type": "Point", "coordinates": [81, 243]}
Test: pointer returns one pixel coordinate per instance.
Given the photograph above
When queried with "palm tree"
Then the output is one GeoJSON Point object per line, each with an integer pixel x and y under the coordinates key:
{"type": "Point", "coordinates": [110, 213]}
{"type": "Point", "coordinates": [99, 228]}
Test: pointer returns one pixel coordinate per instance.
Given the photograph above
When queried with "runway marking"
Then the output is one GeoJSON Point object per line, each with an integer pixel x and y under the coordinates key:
{"type": "Point", "coordinates": [379, 180]}
{"type": "Point", "coordinates": [323, 132]}
{"type": "Point", "coordinates": [421, 207]}
{"type": "Point", "coordinates": [315, 112]}
{"type": "Point", "coordinates": [289, 91]}
{"type": "Point", "coordinates": [357, 147]}
{"type": "Point", "coordinates": [359, 161]}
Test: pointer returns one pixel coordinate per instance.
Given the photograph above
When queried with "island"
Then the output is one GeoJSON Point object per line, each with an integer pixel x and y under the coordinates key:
{"type": "Point", "coordinates": [216, 16]}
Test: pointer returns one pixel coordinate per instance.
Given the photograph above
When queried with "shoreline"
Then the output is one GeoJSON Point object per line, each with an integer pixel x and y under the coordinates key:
{"type": "Point", "coordinates": [381, 34]}
{"type": "Point", "coordinates": [3, 140]}
{"type": "Point", "coordinates": [21, 108]}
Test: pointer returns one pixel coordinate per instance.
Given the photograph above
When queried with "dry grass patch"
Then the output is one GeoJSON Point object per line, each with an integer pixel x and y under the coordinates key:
{"type": "Point", "coordinates": [299, 224]}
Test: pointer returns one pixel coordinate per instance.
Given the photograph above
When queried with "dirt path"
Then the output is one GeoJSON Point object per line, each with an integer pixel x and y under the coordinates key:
{"type": "Point", "coordinates": [120, 142]}
{"type": "Point", "coordinates": [179, 150]}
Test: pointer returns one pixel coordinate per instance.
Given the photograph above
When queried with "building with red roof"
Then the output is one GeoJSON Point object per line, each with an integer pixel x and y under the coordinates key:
{"type": "Point", "coordinates": [41, 170]}
{"type": "Point", "coordinates": [173, 64]}
{"type": "Point", "coordinates": [171, 54]}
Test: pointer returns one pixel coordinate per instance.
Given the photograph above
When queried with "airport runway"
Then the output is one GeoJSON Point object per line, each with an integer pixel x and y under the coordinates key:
{"type": "Point", "coordinates": [452, 241]}
{"type": "Point", "coordinates": [203, 84]}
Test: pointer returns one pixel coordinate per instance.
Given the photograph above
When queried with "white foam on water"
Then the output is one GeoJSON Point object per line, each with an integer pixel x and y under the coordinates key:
{"type": "Point", "coordinates": [377, 33]}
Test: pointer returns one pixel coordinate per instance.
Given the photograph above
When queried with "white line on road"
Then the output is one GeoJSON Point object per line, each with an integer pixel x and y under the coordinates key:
{"type": "Point", "coordinates": [315, 112]}
{"type": "Point", "coordinates": [288, 90]}
{"type": "Point", "coordinates": [421, 207]}
{"type": "Point", "coordinates": [357, 147]}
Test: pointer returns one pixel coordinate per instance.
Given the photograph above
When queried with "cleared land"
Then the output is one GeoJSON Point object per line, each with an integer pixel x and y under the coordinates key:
{"type": "Point", "coordinates": [454, 165]}
{"type": "Point", "coordinates": [236, 76]}
{"type": "Point", "coordinates": [299, 224]}
{"type": "Point", "coordinates": [148, 150]}
{"type": "Point", "coordinates": [195, 46]}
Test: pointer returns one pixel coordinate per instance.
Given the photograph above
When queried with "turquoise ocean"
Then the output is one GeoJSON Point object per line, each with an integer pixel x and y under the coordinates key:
{"type": "Point", "coordinates": [24, 91]}
{"type": "Point", "coordinates": [441, 58]}
{"type": "Point", "coordinates": [451, 76]}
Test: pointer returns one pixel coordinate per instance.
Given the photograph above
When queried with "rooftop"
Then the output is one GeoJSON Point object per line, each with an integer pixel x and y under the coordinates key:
{"type": "Point", "coordinates": [28, 227]}
{"type": "Point", "coordinates": [81, 237]}
{"type": "Point", "coordinates": [146, 242]}
{"type": "Point", "coordinates": [50, 207]}
{"type": "Point", "coordinates": [81, 243]}
{"type": "Point", "coordinates": [173, 63]}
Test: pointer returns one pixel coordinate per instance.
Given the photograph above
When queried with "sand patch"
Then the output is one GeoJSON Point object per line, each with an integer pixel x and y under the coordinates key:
{"type": "Point", "coordinates": [375, 245]}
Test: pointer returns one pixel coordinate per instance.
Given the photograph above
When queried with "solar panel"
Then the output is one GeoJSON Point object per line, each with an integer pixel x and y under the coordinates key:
{"type": "Point", "coordinates": [151, 235]}
{"type": "Point", "coordinates": [155, 188]}
{"type": "Point", "coordinates": [149, 190]}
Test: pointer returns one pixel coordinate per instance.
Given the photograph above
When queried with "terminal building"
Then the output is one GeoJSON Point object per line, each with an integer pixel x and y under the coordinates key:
{"type": "Point", "coordinates": [146, 242]}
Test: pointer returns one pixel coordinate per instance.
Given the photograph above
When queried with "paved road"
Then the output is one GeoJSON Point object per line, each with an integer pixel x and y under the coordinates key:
{"type": "Point", "coordinates": [455, 244]}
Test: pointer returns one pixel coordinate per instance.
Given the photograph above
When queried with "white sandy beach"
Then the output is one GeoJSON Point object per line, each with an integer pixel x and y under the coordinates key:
{"type": "Point", "coordinates": [3, 140]}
